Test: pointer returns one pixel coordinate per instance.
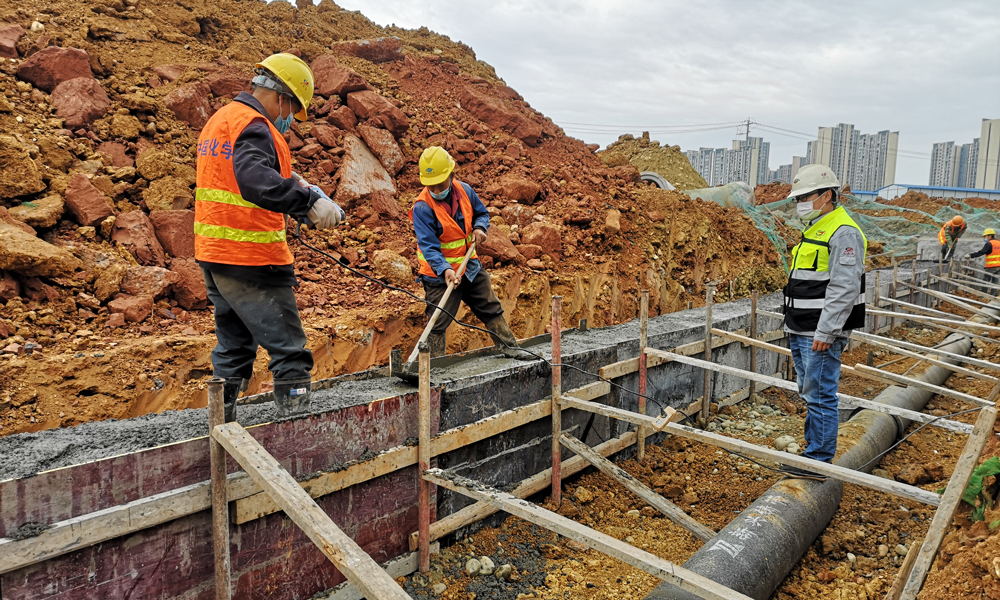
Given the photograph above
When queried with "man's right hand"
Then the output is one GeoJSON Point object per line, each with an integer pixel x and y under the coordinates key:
{"type": "Point", "coordinates": [450, 277]}
{"type": "Point", "coordinates": [325, 213]}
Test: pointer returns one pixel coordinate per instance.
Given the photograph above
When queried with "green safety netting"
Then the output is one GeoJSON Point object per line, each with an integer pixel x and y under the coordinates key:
{"type": "Point", "coordinates": [899, 234]}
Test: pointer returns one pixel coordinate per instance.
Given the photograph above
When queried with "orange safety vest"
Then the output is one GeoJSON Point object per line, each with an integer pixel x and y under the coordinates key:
{"type": "Point", "coordinates": [454, 241]}
{"type": "Point", "coordinates": [228, 229]}
{"type": "Point", "coordinates": [941, 234]}
{"type": "Point", "coordinates": [993, 258]}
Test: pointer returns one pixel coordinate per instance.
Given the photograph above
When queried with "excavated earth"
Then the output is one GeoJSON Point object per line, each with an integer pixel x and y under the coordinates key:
{"type": "Point", "coordinates": [647, 155]}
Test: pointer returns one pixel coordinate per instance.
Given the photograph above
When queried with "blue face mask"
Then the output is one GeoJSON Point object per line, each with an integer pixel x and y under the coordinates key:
{"type": "Point", "coordinates": [283, 124]}
{"type": "Point", "coordinates": [442, 195]}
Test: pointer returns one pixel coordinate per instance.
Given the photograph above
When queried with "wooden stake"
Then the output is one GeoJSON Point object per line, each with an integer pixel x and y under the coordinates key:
{"type": "Point", "coordinates": [643, 340]}
{"type": "Point", "coordinates": [753, 334]}
{"type": "Point", "coordinates": [650, 563]}
{"type": "Point", "coordinates": [909, 381]}
{"type": "Point", "coordinates": [966, 288]}
{"type": "Point", "coordinates": [950, 501]}
{"type": "Point", "coordinates": [359, 568]}
{"type": "Point", "coordinates": [891, 344]}
{"type": "Point", "coordinates": [556, 393]}
{"type": "Point", "coordinates": [904, 572]}
{"type": "Point", "coordinates": [668, 508]}
{"type": "Point", "coordinates": [913, 279]}
{"type": "Point", "coordinates": [220, 503]}
{"type": "Point", "coordinates": [895, 284]}
{"type": "Point", "coordinates": [424, 460]}
{"type": "Point", "coordinates": [922, 319]}
{"type": "Point", "coordinates": [706, 398]}
{"type": "Point", "coordinates": [878, 295]}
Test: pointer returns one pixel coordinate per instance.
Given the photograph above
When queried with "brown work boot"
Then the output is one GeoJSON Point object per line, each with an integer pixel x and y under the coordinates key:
{"type": "Point", "coordinates": [504, 340]}
{"type": "Point", "coordinates": [436, 343]}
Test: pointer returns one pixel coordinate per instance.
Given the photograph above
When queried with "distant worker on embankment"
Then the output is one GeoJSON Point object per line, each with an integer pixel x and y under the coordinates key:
{"type": "Point", "coordinates": [245, 187]}
{"type": "Point", "coordinates": [824, 301]}
{"type": "Point", "coordinates": [991, 250]}
{"type": "Point", "coordinates": [949, 234]}
{"type": "Point", "coordinates": [447, 217]}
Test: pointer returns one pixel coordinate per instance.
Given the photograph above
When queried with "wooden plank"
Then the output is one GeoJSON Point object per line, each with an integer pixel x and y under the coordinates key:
{"type": "Point", "coordinates": [978, 303]}
{"type": "Point", "coordinates": [220, 503]}
{"type": "Point", "coordinates": [753, 335]}
{"type": "Point", "coordinates": [975, 270]}
{"type": "Point", "coordinates": [837, 472]}
{"type": "Point", "coordinates": [706, 397]}
{"type": "Point", "coordinates": [424, 456]}
{"type": "Point", "coordinates": [849, 402]}
{"type": "Point", "coordinates": [893, 344]}
{"type": "Point", "coordinates": [591, 391]}
{"type": "Point", "coordinates": [950, 501]}
{"type": "Point", "coordinates": [963, 305]}
{"type": "Point", "coordinates": [351, 560]}
{"type": "Point", "coordinates": [640, 444]}
{"type": "Point", "coordinates": [933, 361]}
{"type": "Point", "coordinates": [909, 381]}
{"type": "Point", "coordinates": [398, 567]}
{"type": "Point", "coordinates": [923, 309]}
{"type": "Point", "coordinates": [851, 371]}
{"type": "Point", "coordinates": [773, 315]}
{"type": "Point", "coordinates": [657, 423]}
{"type": "Point", "coordinates": [923, 319]}
{"type": "Point", "coordinates": [652, 564]}
{"type": "Point", "coordinates": [668, 508]}
{"type": "Point", "coordinates": [904, 572]}
{"type": "Point", "coordinates": [965, 288]}
{"type": "Point", "coordinates": [555, 397]}
{"type": "Point", "coordinates": [532, 485]}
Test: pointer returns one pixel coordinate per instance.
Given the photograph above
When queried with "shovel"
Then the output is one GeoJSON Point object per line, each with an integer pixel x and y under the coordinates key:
{"type": "Point", "coordinates": [409, 370]}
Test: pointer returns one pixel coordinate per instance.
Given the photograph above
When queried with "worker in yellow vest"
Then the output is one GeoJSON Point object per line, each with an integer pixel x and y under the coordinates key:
{"type": "Point", "coordinates": [245, 188]}
{"type": "Point", "coordinates": [824, 301]}
{"type": "Point", "coordinates": [949, 234]}
{"type": "Point", "coordinates": [991, 250]}
{"type": "Point", "coordinates": [447, 218]}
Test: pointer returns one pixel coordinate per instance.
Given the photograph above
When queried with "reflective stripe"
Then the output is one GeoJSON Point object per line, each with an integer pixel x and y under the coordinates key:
{"type": "Point", "coordinates": [456, 260]}
{"type": "Point", "coordinates": [860, 299]}
{"type": "Point", "coordinates": [209, 195]}
{"type": "Point", "coordinates": [456, 243]}
{"type": "Point", "coordinates": [238, 235]}
{"type": "Point", "coordinates": [800, 303]}
{"type": "Point", "coordinates": [806, 275]}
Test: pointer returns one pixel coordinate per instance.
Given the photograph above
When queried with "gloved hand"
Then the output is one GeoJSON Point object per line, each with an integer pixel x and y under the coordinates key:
{"type": "Point", "coordinates": [967, 256]}
{"type": "Point", "coordinates": [325, 213]}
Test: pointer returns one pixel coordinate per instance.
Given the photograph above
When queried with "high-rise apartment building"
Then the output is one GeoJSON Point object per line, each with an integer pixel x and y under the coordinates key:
{"type": "Point", "coordinates": [968, 160]}
{"type": "Point", "coordinates": [858, 160]}
{"type": "Point", "coordinates": [945, 167]}
{"type": "Point", "coordinates": [988, 163]}
{"type": "Point", "coordinates": [746, 161]}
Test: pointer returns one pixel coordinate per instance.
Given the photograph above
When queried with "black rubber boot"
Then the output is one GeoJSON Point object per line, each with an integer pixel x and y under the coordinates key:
{"type": "Point", "coordinates": [292, 396]}
{"type": "Point", "coordinates": [436, 343]}
{"type": "Point", "coordinates": [230, 393]}
{"type": "Point", "coordinates": [504, 339]}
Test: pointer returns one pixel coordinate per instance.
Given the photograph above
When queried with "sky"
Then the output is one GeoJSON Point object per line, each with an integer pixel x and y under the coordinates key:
{"type": "Point", "coordinates": [688, 72]}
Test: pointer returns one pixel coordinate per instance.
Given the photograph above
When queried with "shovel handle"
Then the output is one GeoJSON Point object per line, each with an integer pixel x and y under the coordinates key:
{"type": "Point", "coordinates": [444, 301]}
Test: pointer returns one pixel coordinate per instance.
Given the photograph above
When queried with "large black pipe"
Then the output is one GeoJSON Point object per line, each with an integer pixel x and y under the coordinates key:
{"type": "Point", "coordinates": [754, 553]}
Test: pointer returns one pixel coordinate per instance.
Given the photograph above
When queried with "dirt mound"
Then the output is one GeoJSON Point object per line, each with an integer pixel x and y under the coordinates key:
{"type": "Point", "coordinates": [772, 192]}
{"type": "Point", "coordinates": [647, 155]}
{"type": "Point", "coordinates": [566, 222]}
{"type": "Point", "coordinates": [922, 202]}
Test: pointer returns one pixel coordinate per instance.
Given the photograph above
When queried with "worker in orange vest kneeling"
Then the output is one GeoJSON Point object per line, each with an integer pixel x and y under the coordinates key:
{"type": "Point", "coordinates": [949, 234]}
{"type": "Point", "coordinates": [991, 250]}
{"type": "Point", "coordinates": [245, 188]}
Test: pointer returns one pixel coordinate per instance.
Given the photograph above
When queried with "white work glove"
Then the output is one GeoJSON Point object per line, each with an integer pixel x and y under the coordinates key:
{"type": "Point", "coordinates": [967, 256]}
{"type": "Point", "coordinates": [325, 213]}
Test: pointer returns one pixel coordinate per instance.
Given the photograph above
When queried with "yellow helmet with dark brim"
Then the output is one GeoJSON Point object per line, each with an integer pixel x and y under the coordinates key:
{"type": "Point", "coordinates": [435, 165]}
{"type": "Point", "coordinates": [296, 75]}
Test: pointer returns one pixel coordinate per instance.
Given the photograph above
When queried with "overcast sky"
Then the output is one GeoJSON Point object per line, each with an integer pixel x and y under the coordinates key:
{"type": "Point", "coordinates": [599, 68]}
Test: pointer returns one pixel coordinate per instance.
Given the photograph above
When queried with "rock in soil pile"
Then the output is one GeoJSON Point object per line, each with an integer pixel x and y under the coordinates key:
{"type": "Point", "coordinates": [647, 155]}
{"type": "Point", "coordinates": [104, 312]}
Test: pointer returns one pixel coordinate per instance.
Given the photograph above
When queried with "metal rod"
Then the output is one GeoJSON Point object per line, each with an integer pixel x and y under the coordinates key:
{"type": "Point", "coordinates": [424, 459]}
{"type": "Point", "coordinates": [220, 502]}
{"type": "Point", "coordinates": [913, 279]}
{"type": "Point", "coordinates": [706, 399]}
{"type": "Point", "coordinates": [643, 340]}
{"type": "Point", "coordinates": [753, 334]}
{"type": "Point", "coordinates": [895, 284]}
{"type": "Point", "coordinates": [556, 393]}
{"type": "Point", "coordinates": [878, 295]}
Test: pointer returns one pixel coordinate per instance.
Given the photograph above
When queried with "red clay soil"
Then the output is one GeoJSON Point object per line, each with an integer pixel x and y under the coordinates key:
{"type": "Point", "coordinates": [772, 192]}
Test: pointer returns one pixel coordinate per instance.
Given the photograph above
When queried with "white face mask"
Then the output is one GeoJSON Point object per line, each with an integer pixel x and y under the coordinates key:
{"type": "Point", "coordinates": [807, 211]}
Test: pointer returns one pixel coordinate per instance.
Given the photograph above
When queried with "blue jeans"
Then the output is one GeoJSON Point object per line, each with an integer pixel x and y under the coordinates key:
{"type": "Point", "coordinates": [818, 376]}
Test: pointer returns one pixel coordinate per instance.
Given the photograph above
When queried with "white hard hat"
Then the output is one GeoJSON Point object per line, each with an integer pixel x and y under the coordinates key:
{"type": "Point", "coordinates": [811, 178]}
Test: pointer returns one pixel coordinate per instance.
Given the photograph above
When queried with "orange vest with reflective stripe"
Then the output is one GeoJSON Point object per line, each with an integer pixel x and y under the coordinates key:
{"type": "Point", "coordinates": [228, 229]}
{"type": "Point", "coordinates": [993, 258]}
{"type": "Point", "coordinates": [955, 232]}
{"type": "Point", "coordinates": [454, 241]}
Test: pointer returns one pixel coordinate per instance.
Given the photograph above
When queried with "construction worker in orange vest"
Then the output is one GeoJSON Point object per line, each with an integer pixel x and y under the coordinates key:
{"type": "Point", "coordinates": [991, 250]}
{"type": "Point", "coordinates": [447, 217]}
{"type": "Point", "coordinates": [245, 188]}
{"type": "Point", "coordinates": [949, 234]}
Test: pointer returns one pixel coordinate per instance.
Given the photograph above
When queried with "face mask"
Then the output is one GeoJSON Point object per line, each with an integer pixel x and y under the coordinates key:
{"type": "Point", "coordinates": [807, 211]}
{"type": "Point", "coordinates": [442, 195]}
{"type": "Point", "coordinates": [282, 124]}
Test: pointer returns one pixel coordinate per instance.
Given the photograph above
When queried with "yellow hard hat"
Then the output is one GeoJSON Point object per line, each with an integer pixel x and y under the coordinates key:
{"type": "Point", "coordinates": [435, 165]}
{"type": "Point", "coordinates": [989, 232]}
{"type": "Point", "coordinates": [295, 74]}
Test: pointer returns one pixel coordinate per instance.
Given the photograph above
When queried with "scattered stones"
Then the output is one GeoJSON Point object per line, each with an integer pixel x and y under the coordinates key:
{"type": "Point", "coordinates": [325, 135]}
{"type": "Point", "coordinates": [583, 495]}
{"type": "Point", "coordinates": [361, 174]}
{"type": "Point", "coordinates": [190, 104]}
{"type": "Point", "coordinates": [135, 231]}
{"type": "Point", "coordinates": [520, 190]}
{"type": "Point", "coordinates": [499, 247]}
{"type": "Point", "coordinates": [612, 222]}
{"type": "Point", "coordinates": [342, 118]}
{"type": "Point", "coordinates": [383, 145]}
{"type": "Point", "coordinates": [633, 513]}
{"type": "Point", "coordinates": [189, 291]}
{"type": "Point", "coordinates": [504, 571]}
{"type": "Point", "coordinates": [109, 282]}
{"type": "Point", "coordinates": [901, 549]}
{"type": "Point", "coordinates": [117, 153]}
{"type": "Point", "coordinates": [9, 36]}
{"type": "Point", "coordinates": [51, 66]}
{"type": "Point", "coordinates": [168, 194]}
{"type": "Point", "coordinates": [914, 475]}
{"type": "Point", "coordinates": [153, 282]}
{"type": "Point", "coordinates": [169, 73]}
{"type": "Point", "coordinates": [392, 267]}
{"type": "Point", "coordinates": [529, 251]}
{"type": "Point", "coordinates": [88, 205]}
{"type": "Point", "coordinates": [15, 349]}
{"type": "Point", "coordinates": [20, 175]}
{"type": "Point", "coordinates": [135, 310]}
{"type": "Point", "coordinates": [472, 566]}
{"type": "Point", "coordinates": [42, 213]}
{"type": "Point", "coordinates": [334, 79]}
{"type": "Point", "coordinates": [496, 114]}
{"type": "Point", "coordinates": [439, 588]}
{"type": "Point", "coordinates": [883, 550]}
{"type": "Point", "coordinates": [227, 86]}
{"type": "Point", "coordinates": [125, 126]}
{"type": "Point", "coordinates": [792, 448]}
{"type": "Point", "coordinates": [115, 320]}
{"type": "Point", "coordinates": [486, 565]}
{"type": "Point", "coordinates": [377, 50]}
{"type": "Point", "coordinates": [370, 106]}
{"type": "Point", "coordinates": [154, 164]}
{"type": "Point", "coordinates": [783, 442]}
{"type": "Point", "coordinates": [80, 101]}
{"type": "Point", "coordinates": [26, 254]}
{"type": "Point", "coordinates": [10, 288]}
{"type": "Point", "coordinates": [175, 231]}
{"type": "Point", "coordinates": [545, 235]}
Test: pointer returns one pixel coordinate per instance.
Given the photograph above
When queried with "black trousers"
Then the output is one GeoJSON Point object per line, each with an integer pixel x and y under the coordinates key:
{"type": "Point", "coordinates": [248, 314]}
{"type": "Point", "coordinates": [477, 294]}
